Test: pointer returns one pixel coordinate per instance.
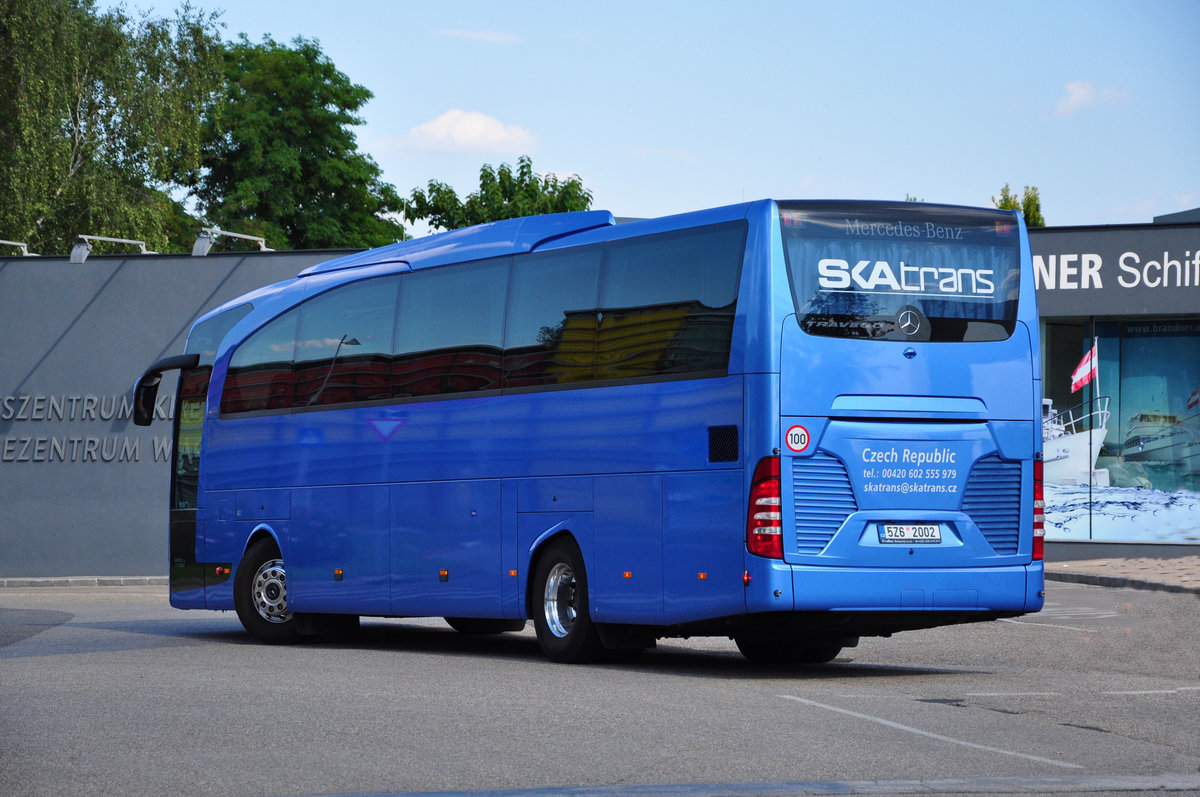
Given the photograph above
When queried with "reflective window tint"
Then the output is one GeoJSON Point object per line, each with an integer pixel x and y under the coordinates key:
{"type": "Point", "coordinates": [901, 272]}
{"type": "Point", "coordinates": [344, 344]}
{"type": "Point", "coordinates": [667, 303]}
{"type": "Point", "coordinates": [450, 330]}
{"type": "Point", "coordinates": [261, 370]}
{"type": "Point", "coordinates": [551, 333]}
{"type": "Point", "coordinates": [206, 336]}
{"type": "Point", "coordinates": [643, 308]}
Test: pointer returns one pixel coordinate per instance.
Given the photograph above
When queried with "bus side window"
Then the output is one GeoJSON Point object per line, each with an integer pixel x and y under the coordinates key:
{"type": "Point", "coordinates": [344, 344]}
{"type": "Point", "coordinates": [450, 330]}
{"type": "Point", "coordinates": [261, 370]}
{"type": "Point", "coordinates": [550, 335]}
{"type": "Point", "coordinates": [668, 303]}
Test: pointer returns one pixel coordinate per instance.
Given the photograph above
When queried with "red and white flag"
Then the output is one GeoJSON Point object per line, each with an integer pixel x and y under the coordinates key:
{"type": "Point", "coordinates": [1194, 399]}
{"type": "Point", "coordinates": [1086, 370]}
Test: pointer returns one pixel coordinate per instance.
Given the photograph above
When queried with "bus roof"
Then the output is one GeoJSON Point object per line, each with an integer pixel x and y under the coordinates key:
{"type": "Point", "coordinates": [510, 236]}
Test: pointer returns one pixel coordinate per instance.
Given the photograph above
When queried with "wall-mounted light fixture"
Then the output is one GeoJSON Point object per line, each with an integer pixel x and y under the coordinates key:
{"type": "Point", "coordinates": [208, 236]}
{"type": "Point", "coordinates": [83, 248]}
{"type": "Point", "coordinates": [22, 246]}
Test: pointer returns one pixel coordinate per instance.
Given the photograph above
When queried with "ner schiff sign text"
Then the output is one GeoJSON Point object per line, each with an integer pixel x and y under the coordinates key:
{"type": "Point", "coordinates": [1117, 271]}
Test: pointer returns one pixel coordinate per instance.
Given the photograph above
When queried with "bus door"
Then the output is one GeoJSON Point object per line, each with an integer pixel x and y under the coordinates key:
{"type": "Point", "coordinates": [188, 571]}
{"type": "Point", "coordinates": [188, 577]}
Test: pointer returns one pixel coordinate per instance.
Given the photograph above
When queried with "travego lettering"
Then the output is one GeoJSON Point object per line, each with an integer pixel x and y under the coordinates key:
{"type": "Point", "coordinates": [838, 275]}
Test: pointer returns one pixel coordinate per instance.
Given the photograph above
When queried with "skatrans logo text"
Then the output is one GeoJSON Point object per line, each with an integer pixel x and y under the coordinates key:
{"type": "Point", "coordinates": [880, 275]}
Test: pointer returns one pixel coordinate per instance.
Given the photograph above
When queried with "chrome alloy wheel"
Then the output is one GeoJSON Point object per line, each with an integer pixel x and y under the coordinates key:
{"type": "Point", "coordinates": [270, 592]}
{"type": "Point", "coordinates": [559, 600]}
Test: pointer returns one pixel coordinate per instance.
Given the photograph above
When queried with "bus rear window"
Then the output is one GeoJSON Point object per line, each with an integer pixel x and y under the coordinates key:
{"type": "Point", "coordinates": [902, 272]}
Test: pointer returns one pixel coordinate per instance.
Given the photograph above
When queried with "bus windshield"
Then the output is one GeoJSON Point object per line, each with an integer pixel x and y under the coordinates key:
{"type": "Point", "coordinates": [891, 272]}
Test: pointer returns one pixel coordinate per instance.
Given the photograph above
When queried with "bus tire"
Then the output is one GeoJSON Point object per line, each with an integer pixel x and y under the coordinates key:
{"type": "Point", "coordinates": [768, 652]}
{"type": "Point", "coordinates": [260, 595]}
{"type": "Point", "coordinates": [473, 625]}
{"type": "Point", "coordinates": [565, 630]}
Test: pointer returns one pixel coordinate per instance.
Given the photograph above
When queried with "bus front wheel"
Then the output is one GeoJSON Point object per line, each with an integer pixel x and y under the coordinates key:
{"type": "Point", "coordinates": [260, 595]}
{"type": "Point", "coordinates": [565, 630]}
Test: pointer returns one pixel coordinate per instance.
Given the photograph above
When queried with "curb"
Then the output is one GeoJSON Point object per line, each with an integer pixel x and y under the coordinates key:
{"type": "Point", "coordinates": [86, 581]}
{"type": "Point", "coordinates": [1120, 583]}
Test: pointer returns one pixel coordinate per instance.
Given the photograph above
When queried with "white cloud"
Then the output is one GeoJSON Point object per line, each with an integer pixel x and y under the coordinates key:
{"type": "Point", "coordinates": [470, 131]}
{"type": "Point", "coordinates": [1080, 94]}
{"type": "Point", "coordinates": [489, 36]}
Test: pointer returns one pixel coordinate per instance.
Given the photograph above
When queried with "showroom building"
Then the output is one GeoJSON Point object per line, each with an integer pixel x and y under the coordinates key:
{"type": "Point", "coordinates": [1120, 317]}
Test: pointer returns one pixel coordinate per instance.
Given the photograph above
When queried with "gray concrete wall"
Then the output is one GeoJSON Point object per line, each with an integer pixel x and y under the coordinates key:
{"type": "Point", "coordinates": [82, 490]}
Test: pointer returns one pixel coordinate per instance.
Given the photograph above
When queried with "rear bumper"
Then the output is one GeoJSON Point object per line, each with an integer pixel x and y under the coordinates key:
{"type": "Point", "coordinates": [777, 586]}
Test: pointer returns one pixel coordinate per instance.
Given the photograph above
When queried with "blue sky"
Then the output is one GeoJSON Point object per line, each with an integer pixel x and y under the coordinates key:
{"type": "Point", "coordinates": [662, 107]}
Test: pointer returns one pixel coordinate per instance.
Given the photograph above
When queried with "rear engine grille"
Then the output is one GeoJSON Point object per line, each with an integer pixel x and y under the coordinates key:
{"type": "Point", "coordinates": [993, 500]}
{"type": "Point", "coordinates": [823, 499]}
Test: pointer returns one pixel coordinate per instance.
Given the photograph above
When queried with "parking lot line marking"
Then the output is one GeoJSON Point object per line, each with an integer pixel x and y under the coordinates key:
{"type": "Point", "coordinates": [938, 736]}
{"type": "Point", "coordinates": [1014, 694]}
{"type": "Point", "coordinates": [1146, 692]}
{"type": "Point", "coordinates": [1046, 625]}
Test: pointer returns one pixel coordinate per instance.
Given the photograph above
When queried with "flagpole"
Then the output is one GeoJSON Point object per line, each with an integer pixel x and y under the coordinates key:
{"type": "Point", "coordinates": [1095, 408]}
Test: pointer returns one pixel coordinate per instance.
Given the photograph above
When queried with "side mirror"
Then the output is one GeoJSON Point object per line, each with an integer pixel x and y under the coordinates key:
{"type": "Point", "coordinates": [145, 390]}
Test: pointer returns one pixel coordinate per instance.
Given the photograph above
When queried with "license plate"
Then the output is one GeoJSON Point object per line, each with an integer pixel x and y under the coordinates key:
{"type": "Point", "coordinates": [910, 533]}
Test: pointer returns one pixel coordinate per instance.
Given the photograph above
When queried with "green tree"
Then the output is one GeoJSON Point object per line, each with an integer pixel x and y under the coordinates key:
{"type": "Point", "coordinates": [501, 195]}
{"type": "Point", "coordinates": [281, 160]}
{"type": "Point", "coordinates": [1030, 204]}
{"type": "Point", "coordinates": [99, 118]}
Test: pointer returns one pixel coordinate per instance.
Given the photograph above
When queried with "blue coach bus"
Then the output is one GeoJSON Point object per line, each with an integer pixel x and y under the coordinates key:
{"type": "Point", "coordinates": [789, 423]}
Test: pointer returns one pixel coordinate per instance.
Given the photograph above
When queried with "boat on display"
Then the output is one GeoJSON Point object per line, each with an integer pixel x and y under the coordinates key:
{"type": "Point", "coordinates": [1071, 442]}
{"type": "Point", "coordinates": [1156, 436]}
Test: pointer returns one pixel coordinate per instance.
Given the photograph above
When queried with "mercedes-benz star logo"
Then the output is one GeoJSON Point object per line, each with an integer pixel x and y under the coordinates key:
{"type": "Point", "coordinates": [910, 322]}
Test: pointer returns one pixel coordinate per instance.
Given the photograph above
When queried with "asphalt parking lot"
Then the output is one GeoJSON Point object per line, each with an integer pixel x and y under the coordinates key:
{"type": "Point", "coordinates": [108, 689]}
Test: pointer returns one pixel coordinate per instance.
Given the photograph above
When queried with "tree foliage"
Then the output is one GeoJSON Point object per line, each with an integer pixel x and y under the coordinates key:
{"type": "Point", "coordinates": [99, 116]}
{"type": "Point", "coordinates": [501, 195]}
{"type": "Point", "coordinates": [1030, 204]}
{"type": "Point", "coordinates": [281, 160]}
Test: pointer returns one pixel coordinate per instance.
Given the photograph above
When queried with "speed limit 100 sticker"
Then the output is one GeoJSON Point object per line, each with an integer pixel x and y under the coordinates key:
{"type": "Point", "coordinates": [797, 439]}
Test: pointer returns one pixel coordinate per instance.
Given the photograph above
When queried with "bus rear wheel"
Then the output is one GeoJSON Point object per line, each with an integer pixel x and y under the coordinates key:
{"type": "Point", "coordinates": [260, 595]}
{"type": "Point", "coordinates": [565, 630]}
{"type": "Point", "coordinates": [765, 651]}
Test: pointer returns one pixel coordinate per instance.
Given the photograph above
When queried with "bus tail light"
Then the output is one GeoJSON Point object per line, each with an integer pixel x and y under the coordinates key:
{"type": "Point", "coordinates": [1039, 512]}
{"type": "Point", "coordinates": [764, 517]}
